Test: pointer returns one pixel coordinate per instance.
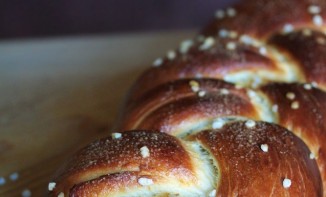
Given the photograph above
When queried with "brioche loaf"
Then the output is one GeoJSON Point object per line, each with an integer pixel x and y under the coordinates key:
{"type": "Point", "coordinates": [240, 110]}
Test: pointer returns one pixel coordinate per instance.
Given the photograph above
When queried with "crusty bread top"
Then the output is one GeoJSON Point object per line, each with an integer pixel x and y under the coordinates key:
{"type": "Point", "coordinates": [238, 110]}
{"type": "Point", "coordinates": [229, 161]}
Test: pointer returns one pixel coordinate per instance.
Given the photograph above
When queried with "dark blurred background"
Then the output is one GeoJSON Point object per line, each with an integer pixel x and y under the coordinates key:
{"type": "Point", "coordinates": [44, 18]}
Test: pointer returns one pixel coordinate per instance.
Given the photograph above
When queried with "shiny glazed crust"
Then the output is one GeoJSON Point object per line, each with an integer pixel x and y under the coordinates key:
{"type": "Point", "coordinates": [240, 110]}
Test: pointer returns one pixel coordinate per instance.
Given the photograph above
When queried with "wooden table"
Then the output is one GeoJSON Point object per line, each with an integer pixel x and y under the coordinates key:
{"type": "Point", "coordinates": [59, 94]}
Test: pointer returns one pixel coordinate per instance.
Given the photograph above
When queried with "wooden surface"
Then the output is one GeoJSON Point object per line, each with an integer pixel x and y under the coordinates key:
{"type": "Point", "coordinates": [59, 94]}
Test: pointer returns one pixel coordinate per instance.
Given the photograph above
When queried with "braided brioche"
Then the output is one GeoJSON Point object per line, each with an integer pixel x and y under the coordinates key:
{"type": "Point", "coordinates": [238, 111]}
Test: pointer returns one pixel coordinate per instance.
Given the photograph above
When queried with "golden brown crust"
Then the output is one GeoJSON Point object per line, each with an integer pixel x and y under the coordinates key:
{"type": "Point", "coordinates": [243, 167]}
{"type": "Point", "coordinates": [215, 63]}
{"type": "Point", "coordinates": [246, 170]}
{"type": "Point", "coordinates": [308, 50]}
{"type": "Point", "coordinates": [112, 156]}
{"type": "Point", "coordinates": [262, 18]}
{"type": "Point", "coordinates": [174, 107]}
{"type": "Point", "coordinates": [304, 113]}
{"type": "Point", "coordinates": [257, 42]}
{"type": "Point", "coordinates": [105, 185]}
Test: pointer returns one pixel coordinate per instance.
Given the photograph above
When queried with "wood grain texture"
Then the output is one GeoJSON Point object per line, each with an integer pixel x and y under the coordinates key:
{"type": "Point", "coordinates": [60, 94]}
